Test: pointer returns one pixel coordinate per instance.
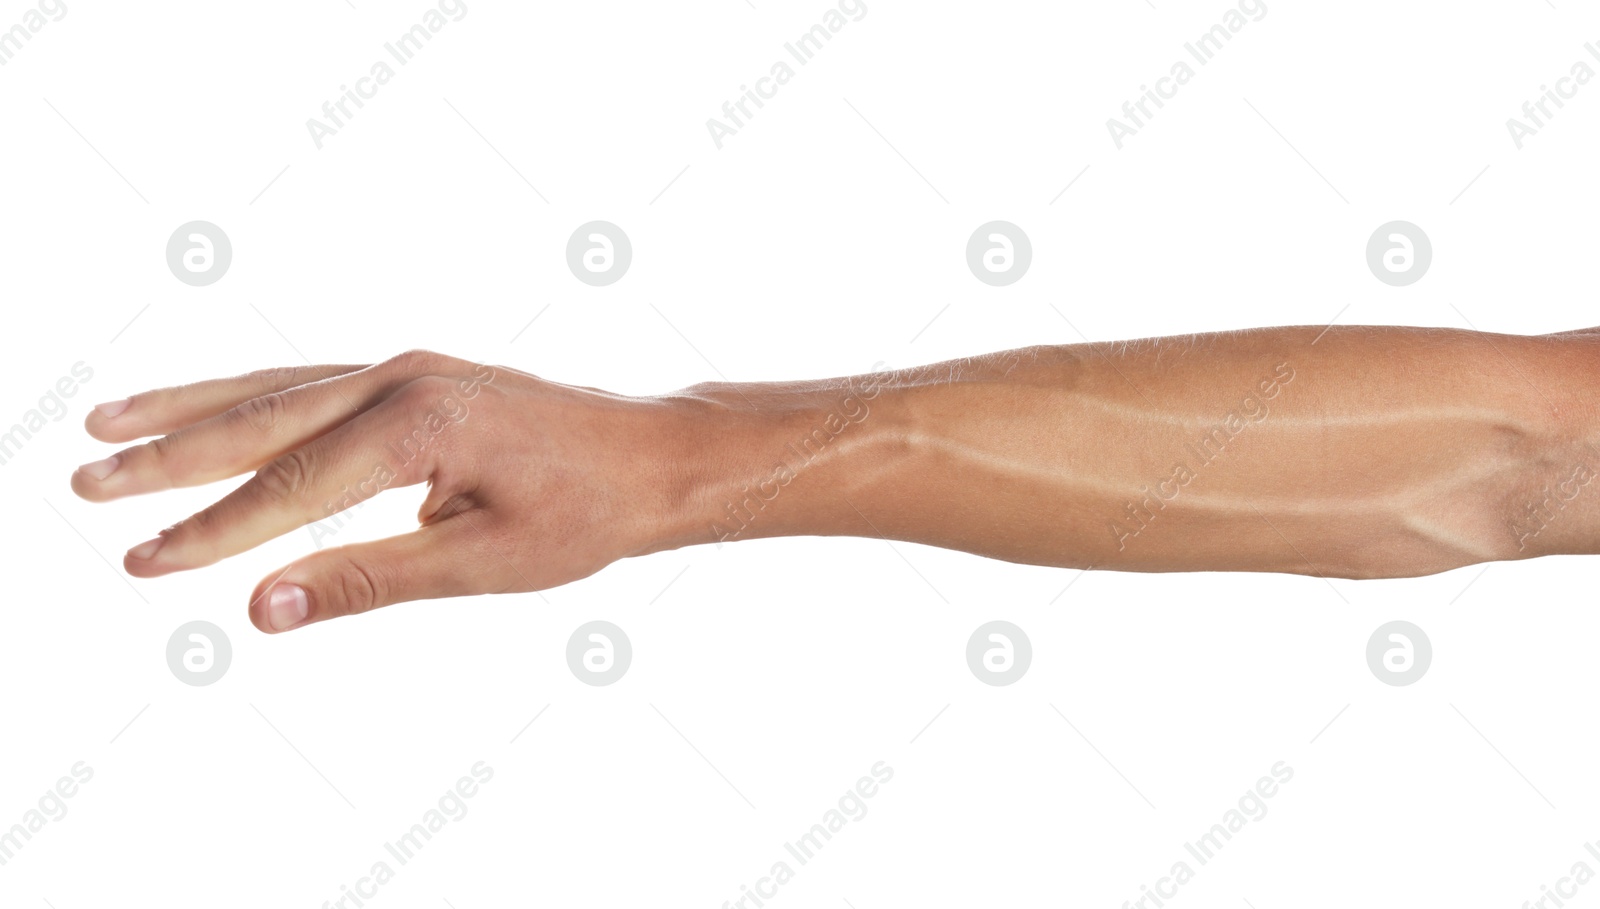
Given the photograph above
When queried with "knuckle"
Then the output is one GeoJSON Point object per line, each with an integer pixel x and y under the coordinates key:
{"type": "Point", "coordinates": [425, 392]}
{"type": "Point", "coordinates": [415, 361]}
{"type": "Point", "coordinates": [286, 477]}
{"type": "Point", "coordinates": [356, 588]}
{"type": "Point", "coordinates": [419, 362]}
{"type": "Point", "coordinates": [199, 526]}
{"type": "Point", "coordinates": [162, 455]}
{"type": "Point", "coordinates": [162, 446]}
{"type": "Point", "coordinates": [264, 413]}
{"type": "Point", "coordinates": [435, 407]}
{"type": "Point", "coordinates": [276, 377]}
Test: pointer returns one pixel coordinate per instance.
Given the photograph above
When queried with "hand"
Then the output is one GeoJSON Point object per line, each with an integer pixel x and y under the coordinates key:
{"type": "Point", "coordinates": [531, 484]}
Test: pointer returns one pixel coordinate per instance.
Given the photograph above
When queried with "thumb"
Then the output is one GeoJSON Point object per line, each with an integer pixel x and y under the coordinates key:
{"type": "Point", "coordinates": [437, 560]}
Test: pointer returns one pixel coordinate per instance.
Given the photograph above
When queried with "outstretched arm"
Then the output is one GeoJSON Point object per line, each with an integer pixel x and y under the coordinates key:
{"type": "Point", "coordinates": [1347, 451]}
{"type": "Point", "coordinates": [1354, 452]}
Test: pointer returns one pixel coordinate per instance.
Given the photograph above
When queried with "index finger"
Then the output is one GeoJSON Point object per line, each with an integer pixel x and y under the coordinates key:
{"type": "Point", "coordinates": [165, 410]}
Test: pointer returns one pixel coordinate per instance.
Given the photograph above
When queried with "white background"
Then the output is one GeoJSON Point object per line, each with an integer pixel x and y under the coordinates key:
{"type": "Point", "coordinates": [806, 246]}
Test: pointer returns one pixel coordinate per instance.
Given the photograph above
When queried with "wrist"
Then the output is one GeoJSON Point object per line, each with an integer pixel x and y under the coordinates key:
{"type": "Point", "coordinates": [775, 459]}
{"type": "Point", "coordinates": [1555, 507]}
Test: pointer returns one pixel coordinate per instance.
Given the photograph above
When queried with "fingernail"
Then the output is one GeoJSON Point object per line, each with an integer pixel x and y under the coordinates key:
{"type": "Point", "coordinates": [144, 551]}
{"type": "Point", "coordinates": [112, 408]}
{"type": "Point", "coordinates": [103, 468]}
{"type": "Point", "coordinates": [286, 606]}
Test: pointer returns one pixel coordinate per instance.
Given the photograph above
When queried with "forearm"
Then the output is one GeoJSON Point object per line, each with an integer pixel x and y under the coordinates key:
{"type": "Point", "coordinates": [1355, 452]}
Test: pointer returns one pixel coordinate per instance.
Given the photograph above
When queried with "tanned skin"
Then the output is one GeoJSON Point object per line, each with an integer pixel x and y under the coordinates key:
{"type": "Point", "coordinates": [1358, 452]}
